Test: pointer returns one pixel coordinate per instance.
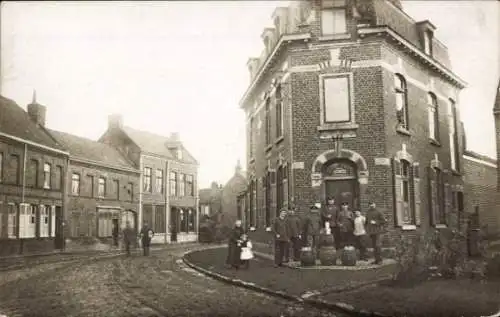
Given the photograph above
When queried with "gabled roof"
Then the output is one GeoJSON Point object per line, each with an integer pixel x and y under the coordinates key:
{"type": "Point", "coordinates": [93, 151]}
{"type": "Point", "coordinates": [157, 144]}
{"type": "Point", "coordinates": [16, 122]}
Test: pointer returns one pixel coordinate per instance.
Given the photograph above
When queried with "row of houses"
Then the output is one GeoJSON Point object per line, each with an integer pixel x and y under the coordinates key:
{"type": "Point", "coordinates": [59, 189]}
{"type": "Point", "coordinates": [358, 101]}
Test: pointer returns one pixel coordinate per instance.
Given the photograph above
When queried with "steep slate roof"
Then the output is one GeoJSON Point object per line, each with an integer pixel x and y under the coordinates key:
{"type": "Point", "coordinates": [92, 150]}
{"type": "Point", "coordinates": [15, 121]}
{"type": "Point", "coordinates": [156, 144]}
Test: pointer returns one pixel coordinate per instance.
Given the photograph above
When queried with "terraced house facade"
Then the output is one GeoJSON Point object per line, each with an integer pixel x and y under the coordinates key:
{"type": "Point", "coordinates": [354, 100]}
{"type": "Point", "coordinates": [33, 166]}
{"type": "Point", "coordinates": [168, 194]}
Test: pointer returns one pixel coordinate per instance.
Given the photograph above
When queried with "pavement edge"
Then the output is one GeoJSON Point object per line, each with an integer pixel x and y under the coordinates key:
{"type": "Point", "coordinates": [319, 303]}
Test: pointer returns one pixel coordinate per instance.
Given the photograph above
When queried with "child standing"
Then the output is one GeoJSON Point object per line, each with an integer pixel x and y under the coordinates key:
{"type": "Point", "coordinates": [246, 251]}
{"type": "Point", "coordinates": [360, 234]}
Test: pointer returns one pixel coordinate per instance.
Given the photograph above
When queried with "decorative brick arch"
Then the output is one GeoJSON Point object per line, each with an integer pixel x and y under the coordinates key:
{"type": "Point", "coordinates": [355, 157]}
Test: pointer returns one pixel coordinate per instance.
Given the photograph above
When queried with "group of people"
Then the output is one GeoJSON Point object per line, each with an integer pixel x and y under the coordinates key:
{"type": "Point", "coordinates": [130, 237]}
{"type": "Point", "coordinates": [291, 233]}
{"type": "Point", "coordinates": [239, 251]}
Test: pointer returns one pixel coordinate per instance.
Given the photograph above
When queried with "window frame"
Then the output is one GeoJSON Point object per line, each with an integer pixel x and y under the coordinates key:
{"type": "Point", "coordinates": [173, 183]}
{"type": "Point", "coordinates": [454, 139]}
{"type": "Point", "coordinates": [433, 116]}
{"type": "Point", "coordinates": [267, 108]}
{"type": "Point", "coordinates": [279, 111]}
{"type": "Point", "coordinates": [189, 185]}
{"type": "Point", "coordinates": [182, 185]}
{"type": "Point", "coordinates": [147, 186]}
{"type": "Point", "coordinates": [12, 221]}
{"type": "Point", "coordinates": [34, 164]}
{"type": "Point", "coordinates": [251, 136]}
{"type": "Point", "coordinates": [159, 184]}
{"type": "Point", "coordinates": [401, 92]}
{"type": "Point", "coordinates": [103, 183]}
{"type": "Point", "coordinates": [75, 181]}
{"type": "Point", "coordinates": [47, 175]}
{"type": "Point", "coordinates": [427, 45]}
{"type": "Point", "coordinates": [333, 8]}
{"type": "Point", "coordinates": [17, 159]}
{"type": "Point", "coordinates": [1, 166]}
{"type": "Point", "coordinates": [351, 123]}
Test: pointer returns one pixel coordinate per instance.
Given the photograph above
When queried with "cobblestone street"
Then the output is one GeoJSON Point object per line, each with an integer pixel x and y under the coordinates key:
{"type": "Point", "coordinates": [159, 285]}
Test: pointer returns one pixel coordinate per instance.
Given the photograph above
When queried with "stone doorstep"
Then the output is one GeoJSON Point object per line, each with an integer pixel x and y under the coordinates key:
{"type": "Point", "coordinates": [360, 265]}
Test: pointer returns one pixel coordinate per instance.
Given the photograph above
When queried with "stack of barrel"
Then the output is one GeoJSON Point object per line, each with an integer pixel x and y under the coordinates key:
{"type": "Point", "coordinates": [327, 251]}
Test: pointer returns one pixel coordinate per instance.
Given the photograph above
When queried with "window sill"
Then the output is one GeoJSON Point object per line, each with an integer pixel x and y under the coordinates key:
{"type": "Point", "coordinates": [440, 226]}
{"type": "Point", "coordinates": [434, 142]}
{"type": "Point", "coordinates": [278, 140]}
{"type": "Point", "coordinates": [403, 131]}
{"type": "Point", "coordinates": [330, 37]}
{"type": "Point", "coordinates": [338, 126]}
{"type": "Point", "coordinates": [268, 147]}
{"type": "Point", "coordinates": [408, 227]}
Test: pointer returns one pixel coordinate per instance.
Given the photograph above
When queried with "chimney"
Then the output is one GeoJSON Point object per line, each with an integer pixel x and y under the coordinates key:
{"type": "Point", "coordinates": [238, 167]}
{"type": "Point", "coordinates": [115, 121]}
{"type": "Point", "coordinates": [174, 137]}
{"type": "Point", "coordinates": [36, 111]}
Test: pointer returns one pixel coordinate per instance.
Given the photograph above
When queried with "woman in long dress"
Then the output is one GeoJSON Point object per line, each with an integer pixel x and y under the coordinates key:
{"type": "Point", "coordinates": [233, 250]}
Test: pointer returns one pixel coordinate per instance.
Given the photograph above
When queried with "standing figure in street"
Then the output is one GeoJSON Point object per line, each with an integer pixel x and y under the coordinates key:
{"type": "Point", "coordinates": [331, 214]}
{"type": "Point", "coordinates": [281, 238]}
{"type": "Point", "coordinates": [129, 237]}
{"type": "Point", "coordinates": [233, 249]}
{"type": "Point", "coordinates": [312, 228]}
{"type": "Point", "coordinates": [346, 225]}
{"type": "Point", "coordinates": [360, 234]}
{"type": "Point", "coordinates": [294, 226]}
{"type": "Point", "coordinates": [375, 222]}
{"type": "Point", "coordinates": [246, 251]}
{"type": "Point", "coordinates": [146, 236]}
{"type": "Point", "coordinates": [115, 233]}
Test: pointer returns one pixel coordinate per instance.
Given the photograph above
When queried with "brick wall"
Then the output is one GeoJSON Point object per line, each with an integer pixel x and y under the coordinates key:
{"type": "Point", "coordinates": [480, 179]}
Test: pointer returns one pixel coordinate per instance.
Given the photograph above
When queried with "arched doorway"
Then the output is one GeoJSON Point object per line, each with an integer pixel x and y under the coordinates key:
{"type": "Point", "coordinates": [130, 216]}
{"type": "Point", "coordinates": [341, 182]}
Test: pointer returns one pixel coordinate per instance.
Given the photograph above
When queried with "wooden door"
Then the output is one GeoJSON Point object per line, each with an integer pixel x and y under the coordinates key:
{"type": "Point", "coordinates": [343, 190]}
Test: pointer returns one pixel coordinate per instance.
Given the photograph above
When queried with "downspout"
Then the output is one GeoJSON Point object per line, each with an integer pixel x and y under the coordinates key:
{"type": "Point", "coordinates": [167, 200]}
{"type": "Point", "coordinates": [24, 172]}
{"type": "Point", "coordinates": [196, 210]}
{"type": "Point", "coordinates": [139, 218]}
{"type": "Point", "coordinates": [65, 202]}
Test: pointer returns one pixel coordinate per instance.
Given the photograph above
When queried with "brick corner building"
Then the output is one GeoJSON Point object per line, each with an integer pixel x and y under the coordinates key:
{"type": "Point", "coordinates": [355, 100]}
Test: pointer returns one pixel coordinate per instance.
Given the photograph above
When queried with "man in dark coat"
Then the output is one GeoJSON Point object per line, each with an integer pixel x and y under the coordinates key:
{"type": "Point", "coordinates": [312, 227]}
{"type": "Point", "coordinates": [281, 238]}
{"type": "Point", "coordinates": [345, 224]}
{"type": "Point", "coordinates": [375, 222]}
{"type": "Point", "coordinates": [233, 250]}
{"type": "Point", "coordinates": [146, 236]}
{"type": "Point", "coordinates": [294, 229]}
{"type": "Point", "coordinates": [330, 213]}
{"type": "Point", "coordinates": [129, 237]}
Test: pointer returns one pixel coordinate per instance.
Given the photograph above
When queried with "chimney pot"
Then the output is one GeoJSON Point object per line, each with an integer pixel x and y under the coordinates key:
{"type": "Point", "coordinates": [37, 113]}
{"type": "Point", "coordinates": [115, 121]}
{"type": "Point", "coordinates": [174, 137]}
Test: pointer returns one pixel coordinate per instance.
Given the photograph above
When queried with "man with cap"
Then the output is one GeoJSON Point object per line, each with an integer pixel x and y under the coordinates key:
{"type": "Point", "coordinates": [330, 213]}
{"type": "Point", "coordinates": [346, 225]}
{"type": "Point", "coordinates": [375, 222]}
{"type": "Point", "coordinates": [281, 238]}
{"type": "Point", "coordinates": [294, 228]}
{"type": "Point", "coordinates": [312, 227]}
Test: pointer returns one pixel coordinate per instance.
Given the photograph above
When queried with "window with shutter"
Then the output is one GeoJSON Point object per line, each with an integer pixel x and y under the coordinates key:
{"type": "Point", "coordinates": [398, 194]}
{"type": "Point", "coordinates": [416, 193]}
{"type": "Point", "coordinates": [23, 219]}
{"type": "Point", "coordinates": [53, 221]}
{"type": "Point", "coordinates": [447, 202]}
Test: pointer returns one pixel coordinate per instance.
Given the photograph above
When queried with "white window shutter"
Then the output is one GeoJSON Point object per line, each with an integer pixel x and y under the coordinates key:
{"type": "Point", "coordinates": [41, 222]}
{"type": "Point", "coordinates": [398, 195]}
{"type": "Point", "coordinates": [23, 219]}
{"type": "Point", "coordinates": [416, 192]}
{"type": "Point", "coordinates": [52, 221]}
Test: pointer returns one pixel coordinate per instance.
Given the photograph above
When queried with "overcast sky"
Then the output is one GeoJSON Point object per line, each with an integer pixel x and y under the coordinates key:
{"type": "Point", "coordinates": [181, 66]}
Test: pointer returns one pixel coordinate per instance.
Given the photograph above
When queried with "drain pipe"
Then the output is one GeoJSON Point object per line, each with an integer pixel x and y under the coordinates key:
{"type": "Point", "coordinates": [24, 172]}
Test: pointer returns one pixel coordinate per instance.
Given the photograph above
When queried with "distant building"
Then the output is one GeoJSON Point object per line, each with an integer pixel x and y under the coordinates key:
{"type": "Point", "coordinates": [354, 100]}
{"type": "Point", "coordinates": [211, 200]}
{"type": "Point", "coordinates": [102, 187]}
{"type": "Point", "coordinates": [33, 167]}
{"type": "Point", "coordinates": [168, 192]}
{"type": "Point", "coordinates": [230, 193]}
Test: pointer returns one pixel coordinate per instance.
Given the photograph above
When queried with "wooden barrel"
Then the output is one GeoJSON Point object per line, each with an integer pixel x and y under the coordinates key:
{"type": "Point", "coordinates": [326, 240]}
{"type": "Point", "coordinates": [328, 255]}
{"type": "Point", "coordinates": [307, 257]}
{"type": "Point", "coordinates": [348, 256]}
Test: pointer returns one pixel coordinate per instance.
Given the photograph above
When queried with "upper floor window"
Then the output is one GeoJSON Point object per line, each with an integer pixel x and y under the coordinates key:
{"type": "Point", "coordinates": [147, 179]}
{"type": "Point", "coordinates": [433, 114]}
{"type": "Point", "coordinates": [179, 153]}
{"type": "Point", "coordinates": [189, 185]}
{"type": "Point", "coordinates": [437, 199]}
{"type": "Point", "coordinates": [13, 169]}
{"type": "Point", "coordinates": [336, 99]}
{"type": "Point", "coordinates": [428, 42]}
{"type": "Point", "coordinates": [279, 112]}
{"type": "Point", "coordinates": [101, 190]}
{"type": "Point", "coordinates": [1, 167]}
{"type": "Point", "coordinates": [173, 184]}
{"type": "Point", "coordinates": [58, 177]}
{"type": "Point", "coordinates": [268, 121]}
{"type": "Point", "coordinates": [401, 101]}
{"type": "Point", "coordinates": [75, 184]}
{"type": "Point", "coordinates": [182, 185]}
{"type": "Point", "coordinates": [116, 185]}
{"type": "Point", "coordinates": [159, 181]}
{"type": "Point", "coordinates": [250, 136]}
{"type": "Point", "coordinates": [453, 133]}
{"type": "Point", "coordinates": [131, 191]}
{"type": "Point", "coordinates": [46, 175]}
{"type": "Point", "coordinates": [91, 185]}
{"type": "Point", "coordinates": [333, 17]}
{"type": "Point", "coordinates": [32, 175]}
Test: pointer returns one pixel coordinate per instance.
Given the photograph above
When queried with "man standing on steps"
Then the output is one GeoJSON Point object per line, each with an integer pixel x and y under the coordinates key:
{"type": "Point", "coordinates": [146, 236]}
{"type": "Point", "coordinates": [281, 238]}
{"type": "Point", "coordinates": [330, 213]}
{"type": "Point", "coordinates": [294, 225]}
{"type": "Point", "coordinates": [375, 222]}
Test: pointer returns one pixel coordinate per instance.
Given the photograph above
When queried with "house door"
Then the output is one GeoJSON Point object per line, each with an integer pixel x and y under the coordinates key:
{"type": "Point", "coordinates": [59, 236]}
{"type": "Point", "coordinates": [343, 190]}
{"type": "Point", "coordinates": [174, 224]}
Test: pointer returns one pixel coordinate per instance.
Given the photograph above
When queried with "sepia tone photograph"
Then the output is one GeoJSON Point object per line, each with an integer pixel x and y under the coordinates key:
{"type": "Point", "coordinates": [329, 158]}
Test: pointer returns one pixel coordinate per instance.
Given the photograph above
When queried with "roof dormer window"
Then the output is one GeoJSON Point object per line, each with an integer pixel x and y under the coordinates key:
{"type": "Point", "coordinates": [178, 152]}
{"type": "Point", "coordinates": [426, 31]}
{"type": "Point", "coordinates": [428, 43]}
